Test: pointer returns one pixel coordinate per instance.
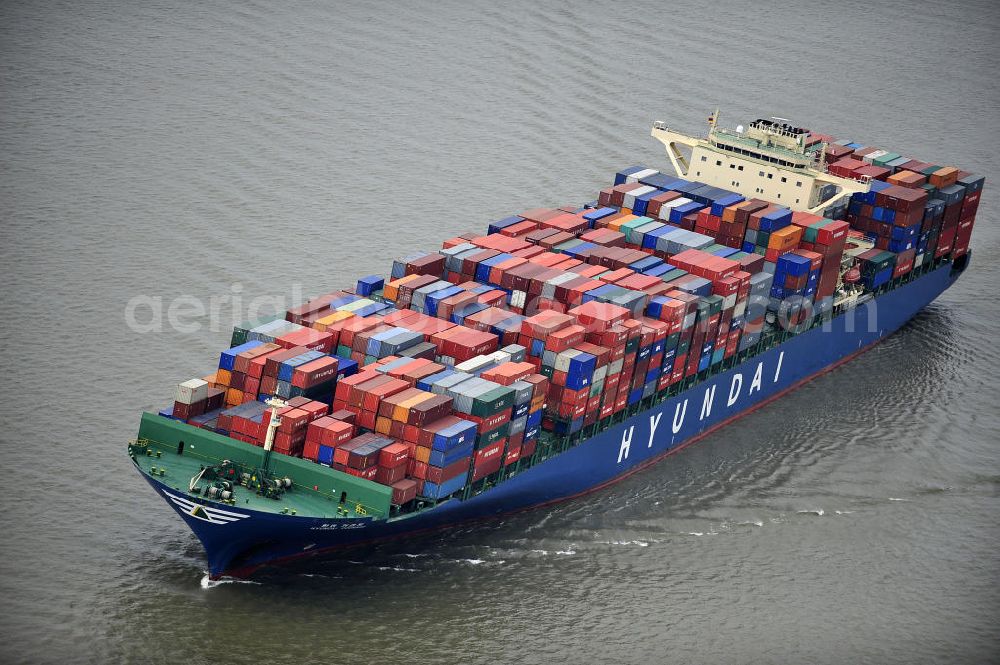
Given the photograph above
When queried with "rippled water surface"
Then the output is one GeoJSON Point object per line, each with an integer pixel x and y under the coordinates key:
{"type": "Point", "coordinates": [163, 148]}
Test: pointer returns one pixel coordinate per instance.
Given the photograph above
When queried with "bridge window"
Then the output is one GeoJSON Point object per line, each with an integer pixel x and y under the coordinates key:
{"type": "Point", "coordinates": [739, 168]}
{"type": "Point", "coordinates": [770, 176]}
{"type": "Point", "coordinates": [761, 174]}
{"type": "Point", "coordinates": [718, 162]}
{"type": "Point", "coordinates": [784, 179]}
{"type": "Point", "coordinates": [704, 158]}
{"type": "Point", "coordinates": [798, 183]}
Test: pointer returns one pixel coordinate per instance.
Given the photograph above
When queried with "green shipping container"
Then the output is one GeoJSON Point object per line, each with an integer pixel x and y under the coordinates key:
{"type": "Point", "coordinates": [241, 331]}
{"type": "Point", "coordinates": [494, 401]}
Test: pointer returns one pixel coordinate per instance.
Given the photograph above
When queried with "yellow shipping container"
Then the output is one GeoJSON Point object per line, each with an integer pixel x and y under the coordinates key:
{"type": "Point", "coordinates": [401, 412]}
{"type": "Point", "coordinates": [616, 224]}
{"type": "Point", "coordinates": [382, 425]}
{"type": "Point", "coordinates": [321, 323]}
{"type": "Point", "coordinates": [391, 290]}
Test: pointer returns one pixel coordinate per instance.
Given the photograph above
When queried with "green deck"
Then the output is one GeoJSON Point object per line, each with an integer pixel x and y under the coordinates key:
{"type": "Point", "coordinates": [316, 489]}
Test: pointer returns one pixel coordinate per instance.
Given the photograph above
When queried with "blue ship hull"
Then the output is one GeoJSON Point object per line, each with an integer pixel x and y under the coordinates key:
{"type": "Point", "coordinates": [238, 542]}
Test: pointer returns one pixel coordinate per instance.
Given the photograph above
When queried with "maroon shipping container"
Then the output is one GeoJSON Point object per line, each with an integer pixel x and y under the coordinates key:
{"type": "Point", "coordinates": [430, 410]}
{"type": "Point", "coordinates": [431, 264]}
{"type": "Point", "coordinates": [438, 475]}
{"type": "Point", "coordinates": [321, 303]}
{"type": "Point", "coordinates": [215, 400]}
{"type": "Point", "coordinates": [315, 373]}
{"type": "Point", "coordinates": [404, 491]}
{"type": "Point", "coordinates": [393, 455]}
{"type": "Point", "coordinates": [389, 476]}
{"type": "Point", "coordinates": [345, 415]}
{"type": "Point", "coordinates": [426, 435]}
{"type": "Point", "coordinates": [538, 235]}
{"type": "Point", "coordinates": [292, 420]}
{"type": "Point", "coordinates": [274, 360]}
{"type": "Point", "coordinates": [368, 473]}
{"type": "Point", "coordinates": [242, 361]}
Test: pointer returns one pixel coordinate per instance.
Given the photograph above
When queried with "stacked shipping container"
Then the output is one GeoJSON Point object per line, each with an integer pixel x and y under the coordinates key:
{"type": "Point", "coordinates": [447, 372]}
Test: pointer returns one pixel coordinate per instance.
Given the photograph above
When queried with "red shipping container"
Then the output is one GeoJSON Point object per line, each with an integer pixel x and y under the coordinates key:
{"type": "Point", "coordinates": [320, 303]}
{"type": "Point", "coordinates": [289, 444]}
{"type": "Point", "coordinates": [528, 448]}
{"type": "Point", "coordinates": [438, 475]}
{"type": "Point", "coordinates": [417, 469]}
{"type": "Point", "coordinates": [486, 453]}
{"type": "Point", "coordinates": [404, 491]}
{"type": "Point", "coordinates": [367, 474]}
{"type": "Point", "coordinates": [487, 467]}
{"type": "Point", "coordinates": [245, 358]}
{"type": "Point", "coordinates": [388, 476]}
{"type": "Point", "coordinates": [315, 409]}
{"type": "Point", "coordinates": [565, 338]}
{"type": "Point", "coordinates": [292, 420]}
{"type": "Point", "coordinates": [310, 450]}
{"type": "Point", "coordinates": [316, 372]}
{"type": "Point", "coordinates": [336, 434]}
{"type": "Point", "coordinates": [311, 339]}
{"type": "Point", "coordinates": [393, 455]}
{"type": "Point", "coordinates": [315, 428]}
{"type": "Point", "coordinates": [513, 454]}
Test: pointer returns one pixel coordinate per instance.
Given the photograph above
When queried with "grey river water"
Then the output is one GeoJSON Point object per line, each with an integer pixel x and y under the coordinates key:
{"type": "Point", "coordinates": [158, 149]}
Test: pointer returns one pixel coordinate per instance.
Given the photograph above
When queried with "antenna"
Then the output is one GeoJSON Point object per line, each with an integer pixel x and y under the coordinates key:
{"type": "Point", "coordinates": [713, 120]}
{"type": "Point", "coordinates": [274, 403]}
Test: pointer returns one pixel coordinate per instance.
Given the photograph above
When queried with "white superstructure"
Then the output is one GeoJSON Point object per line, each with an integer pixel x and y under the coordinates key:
{"type": "Point", "coordinates": [769, 160]}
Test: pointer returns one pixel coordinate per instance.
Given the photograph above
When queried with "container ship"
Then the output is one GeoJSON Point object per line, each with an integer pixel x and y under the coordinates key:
{"type": "Point", "coordinates": [557, 350]}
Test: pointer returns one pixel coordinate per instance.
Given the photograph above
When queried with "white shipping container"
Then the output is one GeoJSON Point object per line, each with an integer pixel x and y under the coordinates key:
{"type": "Point", "coordinates": [191, 391]}
{"type": "Point", "coordinates": [872, 156]}
{"type": "Point", "coordinates": [500, 357]}
{"type": "Point", "coordinates": [629, 199]}
{"type": "Point", "coordinates": [516, 351]}
{"type": "Point", "coordinates": [522, 392]}
{"type": "Point", "coordinates": [639, 175]}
